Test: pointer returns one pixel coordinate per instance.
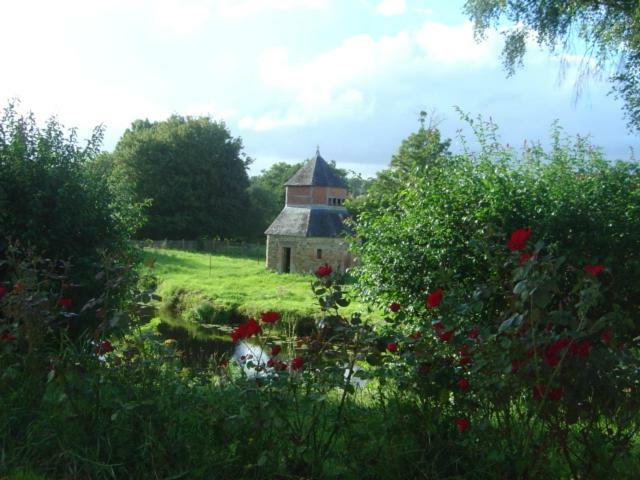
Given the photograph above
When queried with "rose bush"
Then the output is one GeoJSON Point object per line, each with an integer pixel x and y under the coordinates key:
{"type": "Point", "coordinates": [554, 373]}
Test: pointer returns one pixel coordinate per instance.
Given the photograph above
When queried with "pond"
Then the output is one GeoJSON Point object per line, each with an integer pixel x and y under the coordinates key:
{"type": "Point", "coordinates": [211, 345]}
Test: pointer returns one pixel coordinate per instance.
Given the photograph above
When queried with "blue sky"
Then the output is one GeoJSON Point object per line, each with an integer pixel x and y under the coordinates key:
{"type": "Point", "coordinates": [287, 75]}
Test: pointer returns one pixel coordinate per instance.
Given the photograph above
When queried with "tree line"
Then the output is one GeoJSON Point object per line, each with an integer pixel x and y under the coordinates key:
{"type": "Point", "coordinates": [190, 175]}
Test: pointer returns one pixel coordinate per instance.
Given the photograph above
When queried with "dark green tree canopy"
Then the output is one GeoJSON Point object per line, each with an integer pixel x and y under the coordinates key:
{"type": "Point", "coordinates": [52, 195]}
{"type": "Point", "coordinates": [192, 171]}
{"type": "Point", "coordinates": [609, 29]}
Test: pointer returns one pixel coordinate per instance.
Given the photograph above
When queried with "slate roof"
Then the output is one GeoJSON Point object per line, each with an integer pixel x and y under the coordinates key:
{"type": "Point", "coordinates": [316, 172]}
{"type": "Point", "coordinates": [309, 222]}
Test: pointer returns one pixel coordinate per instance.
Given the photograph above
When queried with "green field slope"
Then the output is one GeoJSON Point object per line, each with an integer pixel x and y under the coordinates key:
{"type": "Point", "coordinates": [236, 282]}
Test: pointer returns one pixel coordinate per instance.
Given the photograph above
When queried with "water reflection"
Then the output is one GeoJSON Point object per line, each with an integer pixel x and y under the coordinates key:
{"type": "Point", "coordinates": [251, 358]}
{"type": "Point", "coordinates": [197, 351]}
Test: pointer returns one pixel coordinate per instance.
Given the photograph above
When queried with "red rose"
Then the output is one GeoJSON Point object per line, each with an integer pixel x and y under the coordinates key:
{"type": "Point", "coordinates": [446, 336]}
{"type": "Point", "coordinates": [323, 270]}
{"type": "Point", "coordinates": [580, 349]}
{"type": "Point", "coordinates": [518, 240]}
{"type": "Point", "coordinates": [394, 307]}
{"type": "Point", "coordinates": [275, 350]}
{"type": "Point", "coordinates": [438, 326]}
{"type": "Point", "coordinates": [416, 335]}
{"type": "Point", "coordinates": [605, 336]}
{"type": "Point", "coordinates": [473, 334]}
{"type": "Point", "coordinates": [424, 368]}
{"type": "Point", "coordinates": [3, 291]}
{"type": "Point", "coordinates": [104, 347]}
{"type": "Point", "coordinates": [270, 317]}
{"type": "Point", "coordinates": [463, 384]}
{"type": "Point", "coordinates": [539, 391]}
{"type": "Point", "coordinates": [551, 359]}
{"type": "Point", "coordinates": [246, 330]}
{"type": "Point", "coordinates": [297, 363]}
{"type": "Point", "coordinates": [7, 336]}
{"type": "Point", "coordinates": [65, 303]}
{"type": "Point", "coordinates": [392, 347]}
{"type": "Point", "coordinates": [555, 394]}
{"type": "Point", "coordinates": [594, 270]}
{"type": "Point", "coordinates": [434, 298]}
{"type": "Point", "coordinates": [516, 364]}
{"type": "Point", "coordinates": [550, 356]}
{"type": "Point", "coordinates": [526, 256]}
{"type": "Point", "coordinates": [462, 424]}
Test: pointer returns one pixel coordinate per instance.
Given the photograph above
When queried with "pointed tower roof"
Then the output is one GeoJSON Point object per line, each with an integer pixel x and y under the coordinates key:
{"type": "Point", "coordinates": [316, 172]}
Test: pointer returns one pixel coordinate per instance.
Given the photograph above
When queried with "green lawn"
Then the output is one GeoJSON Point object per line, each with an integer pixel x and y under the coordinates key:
{"type": "Point", "coordinates": [233, 281]}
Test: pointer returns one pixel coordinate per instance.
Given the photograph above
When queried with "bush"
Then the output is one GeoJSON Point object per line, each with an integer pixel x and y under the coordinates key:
{"type": "Point", "coordinates": [52, 198]}
{"type": "Point", "coordinates": [547, 385]}
{"type": "Point", "coordinates": [57, 204]}
{"type": "Point", "coordinates": [435, 226]}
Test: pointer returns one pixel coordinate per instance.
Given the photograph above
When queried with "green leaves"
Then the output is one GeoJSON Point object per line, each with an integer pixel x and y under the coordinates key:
{"type": "Point", "coordinates": [194, 174]}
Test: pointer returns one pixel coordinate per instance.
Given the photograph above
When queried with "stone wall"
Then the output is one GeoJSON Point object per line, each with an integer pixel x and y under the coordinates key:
{"type": "Point", "coordinates": [304, 252]}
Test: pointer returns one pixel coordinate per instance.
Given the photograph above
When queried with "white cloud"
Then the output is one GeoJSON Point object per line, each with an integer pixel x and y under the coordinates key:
{"type": "Point", "coordinates": [446, 45]}
{"type": "Point", "coordinates": [343, 82]}
{"type": "Point", "coordinates": [311, 109]}
{"type": "Point", "coordinates": [243, 8]}
{"type": "Point", "coordinates": [423, 11]}
{"type": "Point", "coordinates": [391, 7]}
{"type": "Point", "coordinates": [180, 18]}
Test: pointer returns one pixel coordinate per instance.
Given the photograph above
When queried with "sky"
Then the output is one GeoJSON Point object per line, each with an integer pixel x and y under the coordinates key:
{"type": "Point", "coordinates": [350, 76]}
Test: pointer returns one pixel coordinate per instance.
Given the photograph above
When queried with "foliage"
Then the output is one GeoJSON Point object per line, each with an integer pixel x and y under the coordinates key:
{"type": "Point", "coordinates": [136, 411]}
{"type": "Point", "coordinates": [50, 196]}
{"type": "Point", "coordinates": [55, 203]}
{"type": "Point", "coordinates": [570, 196]}
{"type": "Point", "coordinates": [416, 156]}
{"type": "Point", "coordinates": [192, 171]}
{"type": "Point", "coordinates": [609, 30]}
{"type": "Point", "coordinates": [546, 384]}
{"type": "Point", "coordinates": [132, 409]}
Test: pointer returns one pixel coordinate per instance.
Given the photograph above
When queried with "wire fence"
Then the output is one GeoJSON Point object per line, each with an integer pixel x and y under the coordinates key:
{"type": "Point", "coordinates": [225, 247]}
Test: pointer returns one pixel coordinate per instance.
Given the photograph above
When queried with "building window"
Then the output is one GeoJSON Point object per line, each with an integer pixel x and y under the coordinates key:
{"type": "Point", "coordinates": [319, 253]}
{"type": "Point", "coordinates": [335, 201]}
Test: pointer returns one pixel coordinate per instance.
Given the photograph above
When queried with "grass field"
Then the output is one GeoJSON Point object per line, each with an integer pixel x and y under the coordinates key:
{"type": "Point", "coordinates": [236, 282]}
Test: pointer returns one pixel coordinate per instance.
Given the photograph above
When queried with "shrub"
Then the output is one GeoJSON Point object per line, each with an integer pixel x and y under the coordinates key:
{"type": "Point", "coordinates": [56, 203]}
{"type": "Point", "coordinates": [52, 195]}
{"type": "Point", "coordinates": [547, 386]}
{"type": "Point", "coordinates": [435, 228]}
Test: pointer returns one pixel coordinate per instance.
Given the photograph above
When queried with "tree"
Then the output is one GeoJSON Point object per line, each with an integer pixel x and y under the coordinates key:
{"type": "Point", "coordinates": [192, 172]}
{"type": "Point", "coordinates": [609, 29]}
{"type": "Point", "coordinates": [51, 198]}
{"type": "Point", "coordinates": [418, 153]}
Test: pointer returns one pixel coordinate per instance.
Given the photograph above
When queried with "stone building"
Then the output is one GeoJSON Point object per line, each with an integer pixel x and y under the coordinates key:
{"type": "Point", "coordinates": [309, 230]}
